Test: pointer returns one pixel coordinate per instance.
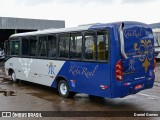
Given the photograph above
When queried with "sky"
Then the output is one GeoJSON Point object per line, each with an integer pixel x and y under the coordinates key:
{"type": "Point", "coordinates": [80, 12]}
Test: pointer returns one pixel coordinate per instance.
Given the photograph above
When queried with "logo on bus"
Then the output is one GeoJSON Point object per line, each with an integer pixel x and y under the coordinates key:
{"type": "Point", "coordinates": [51, 68]}
{"type": "Point", "coordinates": [133, 33]}
{"type": "Point", "coordinates": [145, 49]}
{"type": "Point", "coordinates": [131, 64]}
{"type": "Point", "coordinates": [79, 70]}
{"type": "Point", "coordinates": [25, 62]}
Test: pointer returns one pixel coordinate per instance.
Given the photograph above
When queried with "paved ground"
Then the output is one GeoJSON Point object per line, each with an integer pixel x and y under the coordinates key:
{"type": "Point", "coordinates": [26, 96]}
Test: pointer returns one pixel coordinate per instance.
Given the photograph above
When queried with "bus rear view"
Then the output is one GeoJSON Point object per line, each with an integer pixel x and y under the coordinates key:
{"type": "Point", "coordinates": [135, 64]}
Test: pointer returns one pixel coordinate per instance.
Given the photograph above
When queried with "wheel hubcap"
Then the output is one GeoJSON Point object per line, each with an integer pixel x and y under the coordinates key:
{"type": "Point", "coordinates": [63, 88]}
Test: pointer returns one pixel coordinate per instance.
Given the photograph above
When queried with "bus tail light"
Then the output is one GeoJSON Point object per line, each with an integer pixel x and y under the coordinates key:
{"type": "Point", "coordinates": [119, 71]}
{"type": "Point", "coordinates": [154, 69]}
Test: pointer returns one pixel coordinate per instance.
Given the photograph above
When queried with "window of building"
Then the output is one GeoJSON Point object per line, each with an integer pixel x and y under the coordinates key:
{"type": "Point", "coordinates": [102, 45]}
{"type": "Point", "coordinates": [52, 46]}
{"type": "Point", "coordinates": [90, 50]}
{"type": "Point", "coordinates": [76, 45]}
{"type": "Point", "coordinates": [63, 45]}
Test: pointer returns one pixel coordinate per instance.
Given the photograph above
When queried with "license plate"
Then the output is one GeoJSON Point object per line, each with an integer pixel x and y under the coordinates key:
{"type": "Point", "coordinates": [138, 87]}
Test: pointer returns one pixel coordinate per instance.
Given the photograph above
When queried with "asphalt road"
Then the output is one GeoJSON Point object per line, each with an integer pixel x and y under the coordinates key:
{"type": "Point", "coordinates": [25, 96]}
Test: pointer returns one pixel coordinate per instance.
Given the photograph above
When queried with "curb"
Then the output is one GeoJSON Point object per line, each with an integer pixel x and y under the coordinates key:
{"type": "Point", "coordinates": [157, 84]}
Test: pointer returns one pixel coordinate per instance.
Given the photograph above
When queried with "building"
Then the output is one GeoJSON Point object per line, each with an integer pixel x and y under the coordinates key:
{"type": "Point", "coordinates": [154, 25]}
{"type": "Point", "coordinates": [9, 26]}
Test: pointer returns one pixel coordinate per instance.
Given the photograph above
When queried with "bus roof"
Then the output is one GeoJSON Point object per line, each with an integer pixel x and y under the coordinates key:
{"type": "Point", "coordinates": [49, 31]}
{"type": "Point", "coordinates": [74, 29]}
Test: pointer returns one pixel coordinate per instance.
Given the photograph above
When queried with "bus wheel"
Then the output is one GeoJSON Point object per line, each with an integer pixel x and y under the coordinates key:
{"type": "Point", "coordinates": [63, 89]}
{"type": "Point", "coordinates": [13, 77]}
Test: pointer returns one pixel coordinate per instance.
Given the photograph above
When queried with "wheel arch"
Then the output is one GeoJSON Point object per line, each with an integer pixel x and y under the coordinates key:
{"type": "Point", "coordinates": [10, 71]}
{"type": "Point", "coordinates": [58, 78]}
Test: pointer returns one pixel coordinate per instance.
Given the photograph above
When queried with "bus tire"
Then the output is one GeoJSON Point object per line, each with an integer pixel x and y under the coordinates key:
{"type": "Point", "coordinates": [63, 89]}
{"type": "Point", "coordinates": [13, 77]}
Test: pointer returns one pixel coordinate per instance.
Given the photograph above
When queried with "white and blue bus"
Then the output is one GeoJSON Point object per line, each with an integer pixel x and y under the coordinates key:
{"type": "Point", "coordinates": [108, 60]}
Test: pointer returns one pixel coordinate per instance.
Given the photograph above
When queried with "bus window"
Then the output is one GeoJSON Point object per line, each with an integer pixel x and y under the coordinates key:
{"type": "Point", "coordinates": [76, 45]}
{"type": "Point", "coordinates": [7, 48]}
{"type": "Point", "coordinates": [102, 45]}
{"type": "Point", "coordinates": [15, 45]}
{"type": "Point", "coordinates": [42, 48]}
{"type": "Point", "coordinates": [90, 52]}
{"type": "Point", "coordinates": [25, 46]}
{"type": "Point", "coordinates": [63, 45]}
{"type": "Point", "coordinates": [52, 46]}
{"type": "Point", "coordinates": [33, 46]}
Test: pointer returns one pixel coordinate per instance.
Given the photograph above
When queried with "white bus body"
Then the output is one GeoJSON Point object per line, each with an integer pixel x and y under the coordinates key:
{"type": "Point", "coordinates": [33, 70]}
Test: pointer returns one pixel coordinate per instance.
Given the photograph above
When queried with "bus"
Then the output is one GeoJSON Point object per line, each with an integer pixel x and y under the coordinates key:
{"type": "Point", "coordinates": [156, 33]}
{"type": "Point", "coordinates": [109, 60]}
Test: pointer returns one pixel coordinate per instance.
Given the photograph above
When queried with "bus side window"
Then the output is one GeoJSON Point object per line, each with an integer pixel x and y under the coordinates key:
{"type": "Point", "coordinates": [15, 47]}
{"type": "Point", "coordinates": [52, 46]}
{"type": "Point", "coordinates": [63, 45]}
{"type": "Point", "coordinates": [42, 46]}
{"type": "Point", "coordinates": [76, 45]}
{"type": "Point", "coordinates": [90, 52]}
{"type": "Point", "coordinates": [102, 45]}
{"type": "Point", "coordinates": [33, 46]}
{"type": "Point", "coordinates": [7, 48]}
{"type": "Point", "coordinates": [25, 46]}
